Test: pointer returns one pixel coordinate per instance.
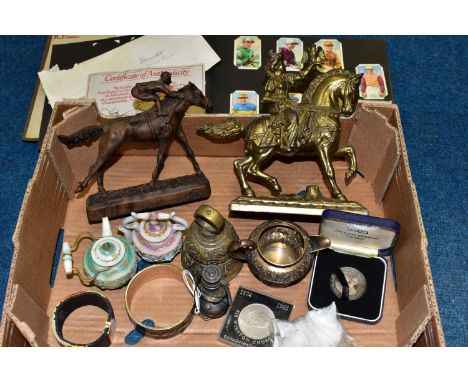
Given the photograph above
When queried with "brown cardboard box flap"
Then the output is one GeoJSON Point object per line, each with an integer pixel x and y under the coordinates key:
{"type": "Point", "coordinates": [377, 161]}
{"type": "Point", "coordinates": [29, 318]}
{"type": "Point", "coordinates": [413, 319]}
{"type": "Point", "coordinates": [72, 164]}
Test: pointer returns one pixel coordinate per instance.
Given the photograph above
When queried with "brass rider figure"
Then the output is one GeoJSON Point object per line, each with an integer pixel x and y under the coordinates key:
{"type": "Point", "coordinates": [285, 119]}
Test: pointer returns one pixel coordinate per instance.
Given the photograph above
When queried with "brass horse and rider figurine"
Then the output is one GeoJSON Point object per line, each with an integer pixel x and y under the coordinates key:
{"type": "Point", "coordinates": [292, 128]}
{"type": "Point", "coordinates": [162, 123]}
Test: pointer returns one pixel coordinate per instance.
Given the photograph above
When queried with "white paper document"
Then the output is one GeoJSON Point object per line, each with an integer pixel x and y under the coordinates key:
{"type": "Point", "coordinates": [144, 52]}
{"type": "Point", "coordinates": [112, 90]}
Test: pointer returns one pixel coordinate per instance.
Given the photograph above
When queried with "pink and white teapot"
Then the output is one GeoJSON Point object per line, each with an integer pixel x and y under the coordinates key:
{"type": "Point", "coordinates": [156, 236]}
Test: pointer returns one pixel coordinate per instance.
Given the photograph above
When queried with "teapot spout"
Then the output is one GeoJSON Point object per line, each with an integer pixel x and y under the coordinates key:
{"type": "Point", "coordinates": [106, 227]}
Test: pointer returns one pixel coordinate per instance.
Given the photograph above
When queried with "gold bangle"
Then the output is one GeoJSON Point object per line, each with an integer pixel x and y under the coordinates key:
{"type": "Point", "coordinates": [145, 276]}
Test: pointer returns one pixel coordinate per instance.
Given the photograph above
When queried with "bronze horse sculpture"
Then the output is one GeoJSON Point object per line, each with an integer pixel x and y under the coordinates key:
{"type": "Point", "coordinates": [146, 126]}
{"type": "Point", "coordinates": [316, 125]}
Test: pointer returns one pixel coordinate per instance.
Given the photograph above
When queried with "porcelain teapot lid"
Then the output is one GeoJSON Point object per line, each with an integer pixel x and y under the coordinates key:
{"type": "Point", "coordinates": [154, 227]}
{"type": "Point", "coordinates": [155, 231]}
{"type": "Point", "coordinates": [108, 250]}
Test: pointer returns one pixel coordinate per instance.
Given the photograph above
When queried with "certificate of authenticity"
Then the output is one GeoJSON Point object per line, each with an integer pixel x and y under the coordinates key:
{"type": "Point", "coordinates": [112, 90]}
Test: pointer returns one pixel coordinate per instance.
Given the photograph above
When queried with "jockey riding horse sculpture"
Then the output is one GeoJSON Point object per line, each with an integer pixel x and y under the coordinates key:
{"type": "Point", "coordinates": [163, 125]}
{"type": "Point", "coordinates": [293, 128]}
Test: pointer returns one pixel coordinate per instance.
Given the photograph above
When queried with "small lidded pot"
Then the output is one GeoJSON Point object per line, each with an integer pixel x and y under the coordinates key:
{"type": "Point", "coordinates": [108, 263]}
{"type": "Point", "coordinates": [156, 236]}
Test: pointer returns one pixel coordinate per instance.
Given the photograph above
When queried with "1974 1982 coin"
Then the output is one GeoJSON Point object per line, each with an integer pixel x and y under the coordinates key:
{"type": "Point", "coordinates": [256, 321]}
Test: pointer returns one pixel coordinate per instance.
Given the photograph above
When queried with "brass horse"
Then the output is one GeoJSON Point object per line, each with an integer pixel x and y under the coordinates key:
{"type": "Point", "coordinates": [328, 96]}
{"type": "Point", "coordinates": [146, 126]}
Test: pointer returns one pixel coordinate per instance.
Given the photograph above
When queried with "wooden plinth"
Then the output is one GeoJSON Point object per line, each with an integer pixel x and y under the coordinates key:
{"type": "Point", "coordinates": [147, 197]}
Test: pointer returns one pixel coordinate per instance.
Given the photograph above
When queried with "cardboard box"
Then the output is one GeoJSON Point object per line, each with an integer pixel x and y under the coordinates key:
{"type": "Point", "coordinates": [410, 315]}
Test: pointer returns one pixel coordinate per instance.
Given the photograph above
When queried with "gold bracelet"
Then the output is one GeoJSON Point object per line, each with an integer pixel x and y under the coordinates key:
{"type": "Point", "coordinates": [147, 275]}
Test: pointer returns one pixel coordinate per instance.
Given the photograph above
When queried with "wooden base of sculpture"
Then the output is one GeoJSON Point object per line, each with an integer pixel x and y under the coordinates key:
{"type": "Point", "coordinates": [312, 203]}
{"type": "Point", "coordinates": [147, 197]}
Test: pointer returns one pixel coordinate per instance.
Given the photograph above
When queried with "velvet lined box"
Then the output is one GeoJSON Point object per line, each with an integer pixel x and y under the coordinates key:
{"type": "Point", "coordinates": [358, 242]}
